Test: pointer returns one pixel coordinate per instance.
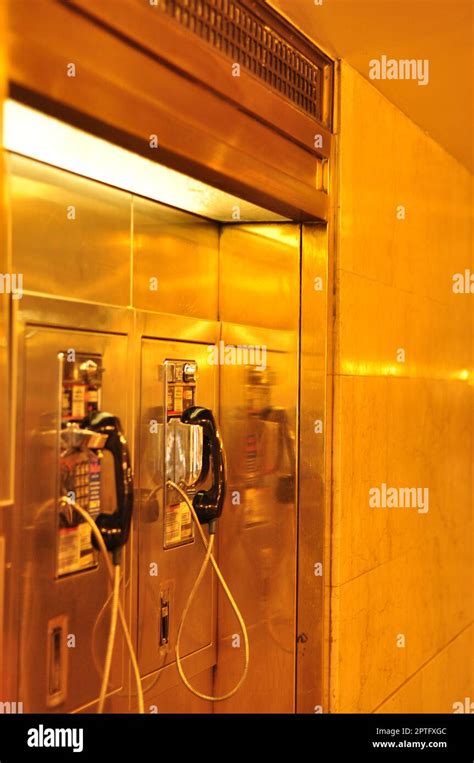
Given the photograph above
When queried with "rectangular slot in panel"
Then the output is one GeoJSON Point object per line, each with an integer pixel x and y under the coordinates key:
{"type": "Point", "coordinates": [57, 669]}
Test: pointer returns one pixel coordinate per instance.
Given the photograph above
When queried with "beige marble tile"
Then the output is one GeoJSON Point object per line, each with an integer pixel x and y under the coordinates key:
{"type": "Point", "coordinates": [404, 433]}
{"type": "Point", "coordinates": [360, 535]}
{"type": "Point", "coordinates": [426, 596]}
{"type": "Point", "coordinates": [408, 425]}
{"type": "Point", "coordinates": [372, 323]}
{"type": "Point", "coordinates": [443, 683]}
{"type": "Point", "coordinates": [375, 321]}
{"type": "Point", "coordinates": [387, 162]}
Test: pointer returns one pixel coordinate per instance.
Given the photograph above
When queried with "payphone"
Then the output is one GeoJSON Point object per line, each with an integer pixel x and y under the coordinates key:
{"type": "Point", "coordinates": [193, 451]}
{"type": "Point", "coordinates": [86, 526]}
{"type": "Point", "coordinates": [189, 461]}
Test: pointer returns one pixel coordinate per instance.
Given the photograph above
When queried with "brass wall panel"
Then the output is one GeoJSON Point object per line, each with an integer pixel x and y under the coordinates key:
{"type": "Point", "coordinates": [177, 327]}
{"type": "Point", "coordinates": [259, 304]}
{"type": "Point", "coordinates": [38, 310]}
{"type": "Point", "coordinates": [5, 299]}
{"type": "Point", "coordinates": [259, 275]}
{"type": "Point", "coordinates": [70, 235]}
{"type": "Point", "coordinates": [257, 530]}
{"type": "Point", "coordinates": [176, 567]}
{"type": "Point", "coordinates": [81, 596]}
{"type": "Point", "coordinates": [313, 408]}
{"type": "Point", "coordinates": [178, 699]}
{"type": "Point", "coordinates": [180, 251]}
{"type": "Point", "coordinates": [6, 403]}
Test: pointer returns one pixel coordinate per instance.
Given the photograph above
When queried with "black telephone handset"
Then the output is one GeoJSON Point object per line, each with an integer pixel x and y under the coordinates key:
{"type": "Point", "coordinates": [209, 503]}
{"type": "Point", "coordinates": [114, 527]}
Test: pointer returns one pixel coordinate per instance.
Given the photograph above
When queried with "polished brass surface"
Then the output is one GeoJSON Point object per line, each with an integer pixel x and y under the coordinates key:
{"type": "Point", "coordinates": [259, 306]}
{"type": "Point", "coordinates": [259, 275]}
{"type": "Point", "coordinates": [41, 310]}
{"type": "Point", "coordinates": [192, 54]}
{"type": "Point", "coordinates": [164, 697]}
{"type": "Point", "coordinates": [262, 49]}
{"type": "Point", "coordinates": [257, 531]}
{"type": "Point", "coordinates": [6, 402]}
{"type": "Point", "coordinates": [177, 327]}
{"type": "Point", "coordinates": [30, 132]}
{"type": "Point", "coordinates": [234, 286]}
{"type": "Point", "coordinates": [81, 241]}
{"type": "Point", "coordinates": [175, 258]}
{"type": "Point", "coordinates": [200, 132]}
{"type": "Point", "coordinates": [314, 425]}
{"type": "Point", "coordinates": [175, 568]}
{"type": "Point", "coordinates": [42, 596]}
{"type": "Point", "coordinates": [3, 687]}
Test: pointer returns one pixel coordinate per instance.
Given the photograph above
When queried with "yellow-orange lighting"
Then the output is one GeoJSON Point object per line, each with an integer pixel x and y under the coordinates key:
{"type": "Point", "coordinates": [38, 136]}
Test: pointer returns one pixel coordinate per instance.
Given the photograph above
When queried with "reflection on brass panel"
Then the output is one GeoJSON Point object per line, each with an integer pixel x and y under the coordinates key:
{"type": "Point", "coordinates": [259, 275]}
{"type": "Point", "coordinates": [41, 310]}
{"type": "Point", "coordinates": [70, 235]}
{"type": "Point", "coordinates": [5, 267]}
{"type": "Point", "coordinates": [175, 261]}
{"type": "Point", "coordinates": [311, 470]}
{"type": "Point", "coordinates": [182, 328]}
{"type": "Point", "coordinates": [177, 698]}
{"type": "Point", "coordinates": [257, 530]}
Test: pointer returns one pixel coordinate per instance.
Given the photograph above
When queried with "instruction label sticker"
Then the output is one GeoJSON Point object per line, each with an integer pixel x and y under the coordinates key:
{"type": "Point", "coordinates": [69, 550]}
{"type": "Point", "coordinates": [178, 524]}
{"type": "Point", "coordinates": [87, 554]}
{"type": "Point", "coordinates": [75, 550]}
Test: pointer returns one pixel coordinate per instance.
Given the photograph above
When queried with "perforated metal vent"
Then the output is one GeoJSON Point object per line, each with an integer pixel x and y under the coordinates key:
{"type": "Point", "coordinates": [239, 32]}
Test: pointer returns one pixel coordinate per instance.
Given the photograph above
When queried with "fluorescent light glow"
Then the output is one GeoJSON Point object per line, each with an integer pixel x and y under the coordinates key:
{"type": "Point", "coordinates": [38, 136]}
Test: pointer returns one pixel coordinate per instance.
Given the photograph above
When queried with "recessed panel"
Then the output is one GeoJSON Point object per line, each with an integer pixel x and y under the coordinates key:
{"type": "Point", "coordinates": [258, 526]}
{"type": "Point", "coordinates": [63, 625]}
{"type": "Point", "coordinates": [175, 258]}
{"type": "Point", "coordinates": [259, 275]}
{"type": "Point", "coordinates": [70, 235]}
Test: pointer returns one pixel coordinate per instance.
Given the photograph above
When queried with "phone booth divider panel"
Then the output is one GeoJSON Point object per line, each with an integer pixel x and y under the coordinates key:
{"type": "Point", "coordinates": [170, 552]}
{"type": "Point", "coordinates": [65, 375]}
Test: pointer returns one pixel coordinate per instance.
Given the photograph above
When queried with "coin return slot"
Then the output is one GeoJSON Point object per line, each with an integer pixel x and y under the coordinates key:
{"type": "Point", "coordinates": [57, 658]}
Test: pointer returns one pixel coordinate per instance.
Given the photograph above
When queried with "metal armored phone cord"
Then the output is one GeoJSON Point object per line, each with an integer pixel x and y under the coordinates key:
{"type": "Point", "coordinates": [114, 576]}
{"type": "Point", "coordinates": [112, 632]}
{"type": "Point", "coordinates": [209, 557]}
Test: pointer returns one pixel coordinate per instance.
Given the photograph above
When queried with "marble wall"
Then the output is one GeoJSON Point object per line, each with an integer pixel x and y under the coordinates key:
{"type": "Point", "coordinates": [401, 623]}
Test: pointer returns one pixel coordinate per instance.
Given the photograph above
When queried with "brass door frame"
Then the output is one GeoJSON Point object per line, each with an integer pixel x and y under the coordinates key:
{"type": "Point", "coordinates": [314, 322]}
{"type": "Point", "coordinates": [311, 667]}
{"type": "Point", "coordinates": [314, 459]}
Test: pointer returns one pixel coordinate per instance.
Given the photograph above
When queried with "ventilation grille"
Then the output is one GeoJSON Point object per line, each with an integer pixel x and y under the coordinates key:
{"type": "Point", "coordinates": [237, 32]}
